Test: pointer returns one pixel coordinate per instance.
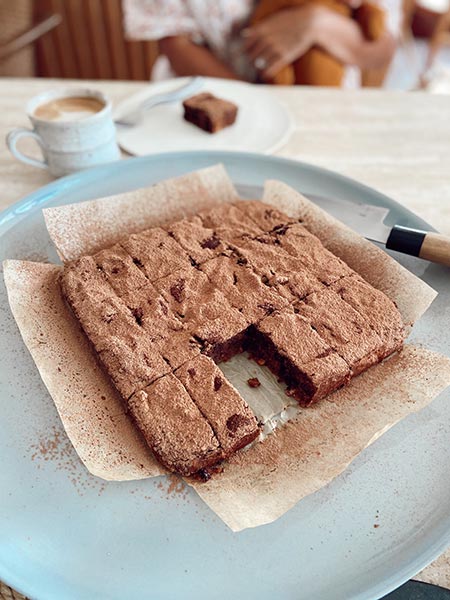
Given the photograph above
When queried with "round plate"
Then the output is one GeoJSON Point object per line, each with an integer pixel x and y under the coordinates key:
{"type": "Point", "coordinates": [253, 131]}
{"type": "Point", "coordinates": [66, 534]}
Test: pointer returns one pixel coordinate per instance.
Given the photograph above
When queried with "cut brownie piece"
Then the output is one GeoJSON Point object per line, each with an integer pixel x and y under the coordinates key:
{"type": "Point", "coordinates": [310, 252]}
{"type": "Point", "coordinates": [229, 222]}
{"type": "Point", "coordinates": [121, 272]}
{"type": "Point", "coordinates": [125, 350]}
{"type": "Point", "coordinates": [277, 268]}
{"type": "Point", "coordinates": [266, 216]}
{"type": "Point", "coordinates": [342, 328]}
{"type": "Point", "coordinates": [147, 306]}
{"type": "Point", "coordinates": [200, 242]}
{"type": "Point", "coordinates": [231, 419]}
{"type": "Point", "coordinates": [376, 308]}
{"type": "Point", "coordinates": [151, 312]}
{"type": "Point", "coordinates": [155, 252]}
{"type": "Point", "coordinates": [209, 112]}
{"type": "Point", "coordinates": [205, 312]}
{"type": "Point", "coordinates": [294, 351]}
{"type": "Point", "coordinates": [174, 428]}
{"type": "Point", "coordinates": [243, 288]}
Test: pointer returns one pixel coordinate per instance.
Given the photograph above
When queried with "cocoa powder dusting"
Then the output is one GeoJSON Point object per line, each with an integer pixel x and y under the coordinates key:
{"type": "Point", "coordinates": [177, 290]}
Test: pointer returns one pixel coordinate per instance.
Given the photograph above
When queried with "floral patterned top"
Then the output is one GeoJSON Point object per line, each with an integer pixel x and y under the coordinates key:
{"type": "Point", "coordinates": [215, 23]}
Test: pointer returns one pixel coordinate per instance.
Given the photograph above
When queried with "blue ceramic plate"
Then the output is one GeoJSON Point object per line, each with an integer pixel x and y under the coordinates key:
{"type": "Point", "coordinates": [67, 535]}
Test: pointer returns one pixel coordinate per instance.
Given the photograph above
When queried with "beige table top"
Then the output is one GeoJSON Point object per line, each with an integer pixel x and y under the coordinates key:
{"type": "Point", "coordinates": [398, 143]}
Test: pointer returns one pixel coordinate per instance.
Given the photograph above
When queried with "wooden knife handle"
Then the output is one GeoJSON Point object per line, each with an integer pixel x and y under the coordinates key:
{"type": "Point", "coordinates": [428, 245]}
{"type": "Point", "coordinates": [436, 247]}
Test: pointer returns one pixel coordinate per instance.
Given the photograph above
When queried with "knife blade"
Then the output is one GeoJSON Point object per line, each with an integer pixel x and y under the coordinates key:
{"type": "Point", "coordinates": [368, 221]}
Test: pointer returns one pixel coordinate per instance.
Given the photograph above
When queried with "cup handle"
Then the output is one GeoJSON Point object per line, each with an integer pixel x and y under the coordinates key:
{"type": "Point", "coordinates": [14, 136]}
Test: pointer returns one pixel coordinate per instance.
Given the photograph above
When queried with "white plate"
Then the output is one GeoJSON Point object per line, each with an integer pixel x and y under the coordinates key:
{"type": "Point", "coordinates": [262, 124]}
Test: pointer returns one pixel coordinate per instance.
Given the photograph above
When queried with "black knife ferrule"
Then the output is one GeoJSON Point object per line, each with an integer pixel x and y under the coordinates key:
{"type": "Point", "coordinates": [406, 240]}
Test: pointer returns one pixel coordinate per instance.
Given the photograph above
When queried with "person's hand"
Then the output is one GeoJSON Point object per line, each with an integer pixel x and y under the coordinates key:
{"type": "Point", "coordinates": [281, 38]}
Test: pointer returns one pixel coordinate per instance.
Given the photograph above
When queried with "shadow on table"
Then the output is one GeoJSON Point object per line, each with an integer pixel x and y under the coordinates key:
{"type": "Point", "coordinates": [416, 590]}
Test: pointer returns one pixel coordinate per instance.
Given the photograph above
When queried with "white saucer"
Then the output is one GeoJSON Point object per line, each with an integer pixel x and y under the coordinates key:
{"type": "Point", "coordinates": [262, 125]}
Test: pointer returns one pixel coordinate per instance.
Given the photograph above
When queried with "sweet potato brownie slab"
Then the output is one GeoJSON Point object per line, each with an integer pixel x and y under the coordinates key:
{"type": "Point", "coordinates": [162, 305]}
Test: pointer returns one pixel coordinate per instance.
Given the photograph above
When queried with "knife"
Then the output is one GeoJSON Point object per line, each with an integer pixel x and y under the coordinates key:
{"type": "Point", "coordinates": [368, 220]}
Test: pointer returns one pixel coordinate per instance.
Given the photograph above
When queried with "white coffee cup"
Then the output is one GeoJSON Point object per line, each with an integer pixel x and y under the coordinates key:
{"type": "Point", "coordinates": [73, 127]}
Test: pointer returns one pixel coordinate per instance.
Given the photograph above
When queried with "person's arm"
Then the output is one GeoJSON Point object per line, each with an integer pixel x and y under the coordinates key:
{"type": "Point", "coordinates": [288, 34]}
{"type": "Point", "coordinates": [188, 58]}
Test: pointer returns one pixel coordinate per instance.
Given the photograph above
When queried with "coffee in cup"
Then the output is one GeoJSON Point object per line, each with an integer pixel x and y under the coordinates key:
{"type": "Point", "coordinates": [69, 109]}
{"type": "Point", "coordinates": [73, 127]}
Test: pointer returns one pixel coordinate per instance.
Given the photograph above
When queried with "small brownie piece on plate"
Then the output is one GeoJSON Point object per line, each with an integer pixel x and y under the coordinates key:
{"type": "Point", "coordinates": [209, 112]}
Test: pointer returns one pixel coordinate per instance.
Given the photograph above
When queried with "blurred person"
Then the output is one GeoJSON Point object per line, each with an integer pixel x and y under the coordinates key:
{"type": "Point", "coordinates": [213, 37]}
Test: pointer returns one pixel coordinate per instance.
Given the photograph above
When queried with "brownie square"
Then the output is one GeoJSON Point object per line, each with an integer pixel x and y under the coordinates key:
{"type": "Point", "coordinates": [178, 434]}
{"type": "Point", "coordinates": [294, 351]}
{"type": "Point", "coordinates": [343, 328]}
{"type": "Point", "coordinates": [265, 216]}
{"type": "Point", "coordinates": [200, 242]}
{"type": "Point", "coordinates": [310, 252]}
{"type": "Point", "coordinates": [121, 272]}
{"type": "Point", "coordinates": [229, 415]}
{"type": "Point", "coordinates": [124, 349]}
{"type": "Point", "coordinates": [376, 309]}
{"type": "Point", "coordinates": [243, 288]}
{"type": "Point", "coordinates": [205, 312]}
{"type": "Point", "coordinates": [209, 112]}
{"type": "Point", "coordinates": [229, 222]}
{"type": "Point", "coordinates": [277, 269]}
{"type": "Point", "coordinates": [155, 253]}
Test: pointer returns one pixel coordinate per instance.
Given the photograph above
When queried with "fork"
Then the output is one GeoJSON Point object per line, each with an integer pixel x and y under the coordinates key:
{"type": "Point", "coordinates": [135, 116]}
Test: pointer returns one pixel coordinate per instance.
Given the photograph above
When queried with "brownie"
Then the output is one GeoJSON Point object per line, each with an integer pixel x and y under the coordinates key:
{"type": "Point", "coordinates": [209, 112]}
{"type": "Point", "coordinates": [376, 309]}
{"type": "Point", "coordinates": [243, 288]}
{"type": "Point", "coordinates": [276, 267]}
{"type": "Point", "coordinates": [162, 305]}
{"type": "Point", "coordinates": [343, 328]}
{"type": "Point", "coordinates": [121, 272]}
{"type": "Point", "coordinates": [124, 349]}
{"type": "Point", "coordinates": [178, 434]}
{"type": "Point", "coordinates": [231, 419]}
{"type": "Point", "coordinates": [200, 242]}
{"type": "Point", "coordinates": [265, 216]}
{"type": "Point", "coordinates": [155, 252]}
{"type": "Point", "coordinates": [310, 252]}
{"type": "Point", "coordinates": [291, 348]}
{"type": "Point", "coordinates": [229, 222]}
{"type": "Point", "coordinates": [205, 312]}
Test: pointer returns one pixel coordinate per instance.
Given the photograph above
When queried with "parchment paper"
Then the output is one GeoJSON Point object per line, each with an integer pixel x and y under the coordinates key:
{"type": "Point", "coordinates": [86, 227]}
{"type": "Point", "coordinates": [260, 484]}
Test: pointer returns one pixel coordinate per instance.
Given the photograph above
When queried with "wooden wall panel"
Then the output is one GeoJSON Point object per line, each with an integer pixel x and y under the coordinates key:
{"type": "Point", "coordinates": [90, 43]}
